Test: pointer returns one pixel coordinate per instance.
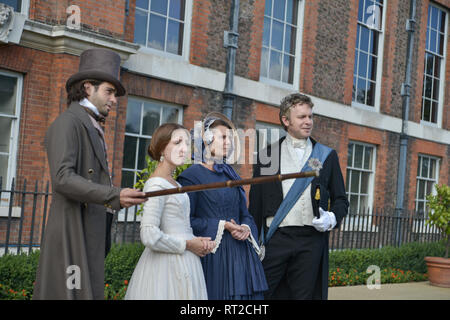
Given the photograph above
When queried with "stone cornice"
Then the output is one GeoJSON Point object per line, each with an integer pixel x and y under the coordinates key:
{"type": "Point", "coordinates": [61, 39]}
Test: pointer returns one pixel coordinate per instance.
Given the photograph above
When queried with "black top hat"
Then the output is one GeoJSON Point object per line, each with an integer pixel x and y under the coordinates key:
{"type": "Point", "coordinates": [99, 64]}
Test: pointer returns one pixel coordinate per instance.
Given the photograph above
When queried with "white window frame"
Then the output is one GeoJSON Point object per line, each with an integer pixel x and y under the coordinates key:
{"type": "Point", "coordinates": [14, 145]}
{"type": "Point", "coordinates": [298, 54]}
{"type": "Point", "coordinates": [364, 224]}
{"type": "Point", "coordinates": [131, 211]}
{"type": "Point", "coordinates": [435, 179]}
{"type": "Point", "coordinates": [442, 80]}
{"type": "Point", "coordinates": [186, 37]}
{"type": "Point", "coordinates": [376, 106]}
{"type": "Point", "coordinates": [420, 226]}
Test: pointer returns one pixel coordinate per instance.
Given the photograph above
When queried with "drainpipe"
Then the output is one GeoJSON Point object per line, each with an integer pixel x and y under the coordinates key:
{"type": "Point", "coordinates": [231, 43]}
{"type": "Point", "coordinates": [405, 92]}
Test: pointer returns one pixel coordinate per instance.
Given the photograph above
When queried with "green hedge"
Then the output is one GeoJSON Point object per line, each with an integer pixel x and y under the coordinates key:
{"type": "Point", "coordinates": [408, 257]}
{"type": "Point", "coordinates": [17, 272]}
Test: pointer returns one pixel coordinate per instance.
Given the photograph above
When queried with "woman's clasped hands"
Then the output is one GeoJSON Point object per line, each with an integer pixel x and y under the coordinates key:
{"type": "Point", "coordinates": [238, 232]}
{"type": "Point", "coordinates": [201, 246]}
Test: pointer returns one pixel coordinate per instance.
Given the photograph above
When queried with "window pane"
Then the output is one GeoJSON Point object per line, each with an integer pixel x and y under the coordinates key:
{"type": "Point", "coordinates": [133, 117]}
{"type": "Point", "coordinates": [433, 36]}
{"type": "Point", "coordinates": [363, 203]}
{"type": "Point", "coordinates": [159, 6]}
{"type": "Point", "coordinates": [434, 17]}
{"type": "Point", "coordinates": [370, 93]}
{"type": "Point", "coordinates": [266, 34]}
{"type": "Point", "coordinates": [368, 158]}
{"type": "Point", "coordinates": [362, 70]}
{"type": "Point", "coordinates": [275, 65]}
{"type": "Point", "coordinates": [129, 152]}
{"type": "Point", "coordinates": [353, 204]}
{"type": "Point", "coordinates": [364, 41]}
{"type": "Point", "coordinates": [5, 134]}
{"type": "Point", "coordinates": [347, 181]}
{"type": "Point", "coordinates": [354, 181]}
{"type": "Point", "coordinates": [16, 4]}
{"type": "Point", "coordinates": [289, 41]}
{"type": "Point", "coordinates": [421, 189]}
{"type": "Point", "coordinates": [435, 89]}
{"type": "Point", "coordinates": [428, 84]}
{"type": "Point", "coordinates": [434, 107]}
{"type": "Point", "coordinates": [425, 166]}
{"type": "Point", "coordinates": [140, 27]}
{"type": "Point", "coordinates": [127, 179]}
{"type": "Point", "coordinates": [419, 166]}
{"type": "Point", "coordinates": [426, 110]}
{"type": "Point", "coordinates": [361, 93]}
{"type": "Point", "coordinates": [359, 149]}
{"type": "Point", "coordinates": [8, 95]}
{"type": "Point", "coordinates": [372, 74]}
{"type": "Point", "coordinates": [354, 89]}
{"type": "Point", "coordinates": [361, 11]}
{"type": "Point", "coordinates": [430, 187]}
{"type": "Point", "coordinates": [3, 167]}
{"type": "Point", "coordinates": [440, 44]}
{"type": "Point", "coordinates": [278, 9]}
{"type": "Point", "coordinates": [350, 155]}
{"type": "Point", "coordinates": [365, 182]}
{"type": "Point", "coordinates": [150, 118]}
{"type": "Point", "coordinates": [143, 147]}
{"type": "Point", "coordinates": [264, 62]}
{"type": "Point", "coordinates": [420, 205]}
{"type": "Point", "coordinates": [142, 4]}
{"type": "Point", "coordinates": [157, 32]}
{"type": "Point", "coordinates": [268, 8]}
{"type": "Point", "coordinates": [291, 13]}
{"type": "Point", "coordinates": [429, 59]}
{"type": "Point", "coordinates": [288, 69]}
{"type": "Point", "coordinates": [170, 115]}
{"type": "Point", "coordinates": [177, 8]}
{"type": "Point", "coordinates": [442, 20]}
{"type": "Point", "coordinates": [175, 37]}
{"type": "Point", "coordinates": [437, 67]}
{"type": "Point", "coordinates": [277, 35]}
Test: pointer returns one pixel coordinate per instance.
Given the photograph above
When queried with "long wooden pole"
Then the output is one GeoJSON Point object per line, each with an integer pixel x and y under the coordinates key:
{"type": "Point", "coordinates": [232, 183]}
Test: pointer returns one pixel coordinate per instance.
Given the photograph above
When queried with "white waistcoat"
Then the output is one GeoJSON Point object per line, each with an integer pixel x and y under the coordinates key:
{"type": "Point", "coordinates": [293, 160]}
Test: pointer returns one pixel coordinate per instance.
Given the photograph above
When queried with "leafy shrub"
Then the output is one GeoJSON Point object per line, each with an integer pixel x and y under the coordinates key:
{"type": "Point", "coordinates": [120, 263]}
{"type": "Point", "coordinates": [410, 256]}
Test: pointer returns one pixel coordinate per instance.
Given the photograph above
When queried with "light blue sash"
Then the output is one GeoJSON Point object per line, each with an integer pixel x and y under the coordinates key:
{"type": "Point", "coordinates": [319, 152]}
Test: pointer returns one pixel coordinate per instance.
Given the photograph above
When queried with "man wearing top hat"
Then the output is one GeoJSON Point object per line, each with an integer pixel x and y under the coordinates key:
{"type": "Point", "coordinates": [296, 215]}
{"type": "Point", "coordinates": [77, 234]}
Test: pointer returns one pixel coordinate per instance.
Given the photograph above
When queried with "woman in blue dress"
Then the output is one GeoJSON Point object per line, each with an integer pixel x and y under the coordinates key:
{"type": "Point", "coordinates": [233, 271]}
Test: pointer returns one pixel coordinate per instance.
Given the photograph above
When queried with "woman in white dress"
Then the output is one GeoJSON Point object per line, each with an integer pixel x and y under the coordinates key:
{"type": "Point", "coordinates": [169, 268]}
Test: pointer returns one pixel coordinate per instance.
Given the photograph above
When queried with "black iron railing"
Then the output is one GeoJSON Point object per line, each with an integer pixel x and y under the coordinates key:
{"type": "Point", "coordinates": [24, 210]}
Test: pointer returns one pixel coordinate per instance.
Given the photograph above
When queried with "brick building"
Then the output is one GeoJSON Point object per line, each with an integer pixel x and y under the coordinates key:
{"type": "Point", "coordinates": [348, 55]}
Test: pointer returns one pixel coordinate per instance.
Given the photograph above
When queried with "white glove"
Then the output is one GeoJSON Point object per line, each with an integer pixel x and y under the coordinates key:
{"type": "Point", "coordinates": [326, 222]}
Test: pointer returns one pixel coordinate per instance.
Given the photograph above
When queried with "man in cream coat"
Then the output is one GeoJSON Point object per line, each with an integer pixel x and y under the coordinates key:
{"type": "Point", "coordinates": [295, 216]}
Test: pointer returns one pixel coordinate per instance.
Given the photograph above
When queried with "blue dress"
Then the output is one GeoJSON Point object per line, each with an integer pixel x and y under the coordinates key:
{"type": "Point", "coordinates": [234, 271]}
